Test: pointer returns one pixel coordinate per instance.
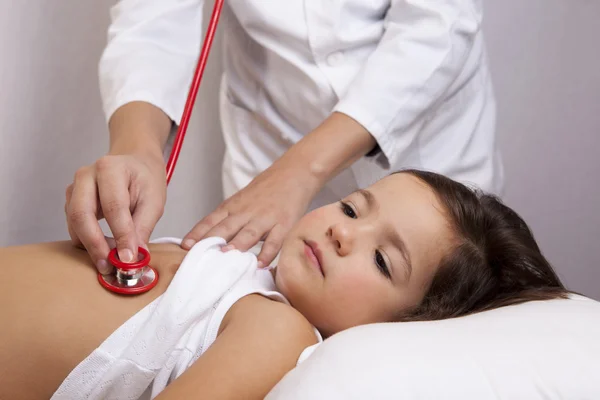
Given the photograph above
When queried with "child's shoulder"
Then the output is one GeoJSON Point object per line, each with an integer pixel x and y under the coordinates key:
{"type": "Point", "coordinates": [260, 341]}
{"type": "Point", "coordinates": [259, 314]}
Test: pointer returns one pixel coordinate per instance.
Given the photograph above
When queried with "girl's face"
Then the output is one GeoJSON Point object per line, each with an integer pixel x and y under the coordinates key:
{"type": "Point", "coordinates": [369, 258]}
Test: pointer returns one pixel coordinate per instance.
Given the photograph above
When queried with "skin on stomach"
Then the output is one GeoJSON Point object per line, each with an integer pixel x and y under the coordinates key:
{"type": "Point", "coordinates": [54, 313]}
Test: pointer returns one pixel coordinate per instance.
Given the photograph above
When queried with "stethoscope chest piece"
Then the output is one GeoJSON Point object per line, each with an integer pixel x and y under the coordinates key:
{"type": "Point", "coordinates": [130, 278]}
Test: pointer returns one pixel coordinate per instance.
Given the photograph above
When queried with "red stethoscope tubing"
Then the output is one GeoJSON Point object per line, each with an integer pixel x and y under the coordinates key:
{"type": "Point", "coordinates": [191, 98]}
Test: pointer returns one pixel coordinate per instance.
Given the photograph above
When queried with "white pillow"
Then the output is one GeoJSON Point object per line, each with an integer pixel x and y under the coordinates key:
{"type": "Point", "coordinates": [538, 350]}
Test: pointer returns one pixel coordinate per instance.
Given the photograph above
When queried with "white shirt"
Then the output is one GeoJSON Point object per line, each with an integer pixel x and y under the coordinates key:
{"type": "Point", "coordinates": [412, 72]}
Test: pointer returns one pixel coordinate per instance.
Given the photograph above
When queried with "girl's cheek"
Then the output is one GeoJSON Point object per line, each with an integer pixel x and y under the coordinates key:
{"type": "Point", "coordinates": [357, 282]}
{"type": "Point", "coordinates": [317, 214]}
{"type": "Point", "coordinates": [314, 222]}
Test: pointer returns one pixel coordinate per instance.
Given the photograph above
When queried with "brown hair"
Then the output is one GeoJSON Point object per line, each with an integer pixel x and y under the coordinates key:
{"type": "Point", "coordinates": [496, 261]}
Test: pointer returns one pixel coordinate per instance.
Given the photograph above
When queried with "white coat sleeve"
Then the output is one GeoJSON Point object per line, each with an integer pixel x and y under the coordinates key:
{"type": "Point", "coordinates": [423, 50]}
{"type": "Point", "coordinates": [152, 50]}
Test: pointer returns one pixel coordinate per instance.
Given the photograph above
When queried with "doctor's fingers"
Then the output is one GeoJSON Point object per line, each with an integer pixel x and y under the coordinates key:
{"type": "Point", "coordinates": [255, 230]}
{"type": "Point", "coordinates": [218, 223]}
{"type": "Point", "coordinates": [148, 210]}
{"type": "Point", "coordinates": [272, 245]}
{"type": "Point", "coordinates": [74, 239]}
{"type": "Point", "coordinates": [115, 202]}
{"type": "Point", "coordinates": [103, 267]}
{"type": "Point", "coordinates": [81, 209]}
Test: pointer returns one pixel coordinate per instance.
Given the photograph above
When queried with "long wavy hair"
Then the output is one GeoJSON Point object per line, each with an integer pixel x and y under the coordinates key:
{"type": "Point", "coordinates": [496, 261]}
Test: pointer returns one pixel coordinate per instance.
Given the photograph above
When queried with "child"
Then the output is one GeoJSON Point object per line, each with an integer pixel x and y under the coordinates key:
{"type": "Point", "coordinates": [413, 246]}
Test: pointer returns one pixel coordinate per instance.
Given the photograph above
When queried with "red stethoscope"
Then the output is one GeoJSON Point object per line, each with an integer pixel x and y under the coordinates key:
{"type": "Point", "coordinates": [140, 277]}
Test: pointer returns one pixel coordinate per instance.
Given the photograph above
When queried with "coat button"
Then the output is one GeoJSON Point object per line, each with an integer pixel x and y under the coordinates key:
{"type": "Point", "coordinates": [335, 58]}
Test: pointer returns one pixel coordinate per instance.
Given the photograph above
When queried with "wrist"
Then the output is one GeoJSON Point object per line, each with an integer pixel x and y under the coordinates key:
{"type": "Point", "coordinates": [298, 170]}
{"type": "Point", "coordinates": [137, 143]}
{"type": "Point", "coordinates": [330, 148]}
{"type": "Point", "coordinates": [140, 129]}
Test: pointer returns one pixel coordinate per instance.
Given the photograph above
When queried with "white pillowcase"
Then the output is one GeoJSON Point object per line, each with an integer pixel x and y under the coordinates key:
{"type": "Point", "coordinates": [538, 350]}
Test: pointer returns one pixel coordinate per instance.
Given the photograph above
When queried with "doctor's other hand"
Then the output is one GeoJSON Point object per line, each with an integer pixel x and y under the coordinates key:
{"type": "Point", "coordinates": [129, 191]}
{"type": "Point", "coordinates": [266, 210]}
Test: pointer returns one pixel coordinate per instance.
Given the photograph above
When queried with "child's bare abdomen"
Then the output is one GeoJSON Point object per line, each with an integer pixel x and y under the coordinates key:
{"type": "Point", "coordinates": [54, 313]}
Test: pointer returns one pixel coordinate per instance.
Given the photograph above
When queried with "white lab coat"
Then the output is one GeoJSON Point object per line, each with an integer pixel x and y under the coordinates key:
{"type": "Point", "coordinates": [413, 72]}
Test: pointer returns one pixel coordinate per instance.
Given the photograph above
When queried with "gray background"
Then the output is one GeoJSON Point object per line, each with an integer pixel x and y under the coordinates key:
{"type": "Point", "coordinates": [545, 65]}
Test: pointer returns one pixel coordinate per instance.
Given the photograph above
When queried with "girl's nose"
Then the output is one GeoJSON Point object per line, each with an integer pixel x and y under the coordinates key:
{"type": "Point", "coordinates": [342, 236]}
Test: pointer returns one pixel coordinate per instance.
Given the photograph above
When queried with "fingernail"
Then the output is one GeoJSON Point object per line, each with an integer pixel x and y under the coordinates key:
{"type": "Point", "coordinates": [188, 243]}
{"type": "Point", "coordinates": [103, 267]}
{"type": "Point", "coordinates": [227, 248]}
{"type": "Point", "coordinates": [260, 265]}
{"type": "Point", "coordinates": [126, 256]}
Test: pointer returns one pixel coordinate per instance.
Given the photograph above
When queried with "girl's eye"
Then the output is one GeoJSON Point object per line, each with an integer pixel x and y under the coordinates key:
{"type": "Point", "coordinates": [348, 210]}
{"type": "Point", "coordinates": [381, 265]}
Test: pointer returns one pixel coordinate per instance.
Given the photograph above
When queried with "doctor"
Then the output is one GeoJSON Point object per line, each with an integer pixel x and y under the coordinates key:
{"type": "Point", "coordinates": [318, 98]}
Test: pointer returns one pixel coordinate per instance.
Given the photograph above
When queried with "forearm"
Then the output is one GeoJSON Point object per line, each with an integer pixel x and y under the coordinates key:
{"type": "Point", "coordinates": [139, 128]}
{"type": "Point", "coordinates": [333, 146]}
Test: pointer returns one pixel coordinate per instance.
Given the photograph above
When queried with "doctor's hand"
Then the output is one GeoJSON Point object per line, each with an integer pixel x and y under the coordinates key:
{"type": "Point", "coordinates": [127, 187]}
{"type": "Point", "coordinates": [129, 191]}
{"type": "Point", "coordinates": [266, 210]}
